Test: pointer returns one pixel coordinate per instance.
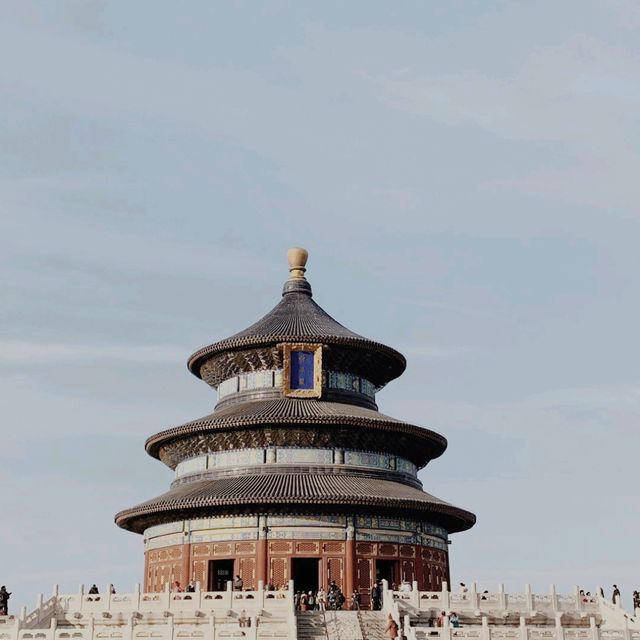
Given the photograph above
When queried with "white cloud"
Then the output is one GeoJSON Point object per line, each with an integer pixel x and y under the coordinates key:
{"type": "Point", "coordinates": [18, 352]}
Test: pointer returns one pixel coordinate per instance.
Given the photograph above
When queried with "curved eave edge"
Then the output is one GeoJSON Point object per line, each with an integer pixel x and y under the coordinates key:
{"type": "Point", "coordinates": [457, 519]}
{"type": "Point", "coordinates": [195, 360]}
{"type": "Point", "coordinates": [153, 443]}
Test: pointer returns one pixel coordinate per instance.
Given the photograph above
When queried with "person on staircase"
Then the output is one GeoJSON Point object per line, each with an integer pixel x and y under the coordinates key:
{"type": "Point", "coordinates": [392, 628]}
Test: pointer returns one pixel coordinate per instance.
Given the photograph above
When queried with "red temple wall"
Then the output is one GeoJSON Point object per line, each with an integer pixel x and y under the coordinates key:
{"type": "Point", "coordinates": [352, 564]}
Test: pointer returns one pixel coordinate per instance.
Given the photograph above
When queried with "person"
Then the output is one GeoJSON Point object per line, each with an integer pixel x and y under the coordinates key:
{"type": "Point", "coordinates": [112, 589]}
{"type": "Point", "coordinates": [191, 587]}
{"type": "Point", "coordinates": [311, 601]}
{"type": "Point", "coordinates": [355, 601]}
{"type": "Point", "coordinates": [296, 600]}
{"type": "Point", "coordinates": [304, 601]}
{"type": "Point", "coordinates": [442, 619]}
{"type": "Point", "coordinates": [616, 594]}
{"type": "Point", "coordinates": [376, 595]}
{"type": "Point", "coordinates": [4, 601]}
{"type": "Point", "coordinates": [176, 587]}
{"type": "Point", "coordinates": [238, 583]}
{"type": "Point", "coordinates": [601, 592]}
{"type": "Point", "coordinates": [454, 621]}
{"type": "Point", "coordinates": [463, 588]}
{"type": "Point", "coordinates": [392, 627]}
{"type": "Point", "coordinates": [93, 590]}
{"type": "Point", "coordinates": [243, 620]}
{"type": "Point", "coordinates": [321, 599]}
{"type": "Point", "coordinates": [636, 600]}
{"type": "Point", "coordinates": [405, 586]}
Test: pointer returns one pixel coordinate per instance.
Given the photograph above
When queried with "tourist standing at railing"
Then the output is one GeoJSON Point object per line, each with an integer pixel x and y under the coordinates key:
{"type": "Point", "coordinates": [176, 587]}
{"type": "Point", "coordinates": [616, 594]}
{"type": "Point", "coordinates": [112, 589]}
{"type": "Point", "coordinates": [454, 621]}
{"type": "Point", "coordinates": [442, 619]}
{"type": "Point", "coordinates": [355, 601]}
{"type": "Point", "coordinates": [238, 583]}
{"type": "Point", "coordinates": [191, 587]}
{"type": "Point", "coordinates": [636, 600]}
{"type": "Point", "coordinates": [4, 601]}
{"type": "Point", "coordinates": [93, 590]}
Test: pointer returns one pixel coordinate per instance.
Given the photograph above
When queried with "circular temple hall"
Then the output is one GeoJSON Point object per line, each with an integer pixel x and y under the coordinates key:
{"type": "Point", "coordinates": [296, 474]}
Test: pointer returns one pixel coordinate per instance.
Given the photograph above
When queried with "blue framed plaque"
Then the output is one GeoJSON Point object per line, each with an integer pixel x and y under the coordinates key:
{"type": "Point", "coordinates": [302, 364]}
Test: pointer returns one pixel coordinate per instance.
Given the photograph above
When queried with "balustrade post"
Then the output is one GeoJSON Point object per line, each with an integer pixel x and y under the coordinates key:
{"type": "Point", "coordinates": [52, 628]}
{"type": "Point", "coordinates": [559, 629]}
{"type": "Point", "coordinates": [212, 625]}
{"type": "Point", "coordinates": [136, 597]}
{"type": "Point", "coordinates": [23, 613]}
{"type": "Point", "coordinates": [407, 624]}
{"type": "Point", "coordinates": [167, 595]}
{"type": "Point", "coordinates": [578, 598]}
{"type": "Point", "coordinates": [55, 591]}
{"type": "Point", "coordinates": [230, 593]}
{"type": "Point", "coordinates": [486, 630]}
{"type": "Point", "coordinates": [39, 600]}
{"type": "Point", "coordinates": [524, 633]}
{"type": "Point", "coordinates": [554, 597]}
{"type": "Point", "coordinates": [627, 633]}
{"type": "Point", "coordinates": [529, 596]}
{"type": "Point", "coordinates": [171, 629]}
{"type": "Point", "coordinates": [80, 596]}
{"type": "Point", "coordinates": [595, 632]}
{"type": "Point", "coordinates": [473, 596]}
{"type": "Point", "coordinates": [502, 597]}
{"type": "Point", "coordinates": [446, 600]}
{"type": "Point", "coordinates": [91, 626]}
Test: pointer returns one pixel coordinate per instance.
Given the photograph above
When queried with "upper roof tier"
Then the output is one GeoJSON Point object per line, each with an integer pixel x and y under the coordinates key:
{"type": "Point", "coordinates": [297, 318]}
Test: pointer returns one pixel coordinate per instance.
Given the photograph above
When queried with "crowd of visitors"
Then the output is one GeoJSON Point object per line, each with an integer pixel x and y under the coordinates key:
{"type": "Point", "coordinates": [333, 599]}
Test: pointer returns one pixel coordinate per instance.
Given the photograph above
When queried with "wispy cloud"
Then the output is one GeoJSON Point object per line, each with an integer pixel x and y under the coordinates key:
{"type": "Point", "coordinates": [22, 352]}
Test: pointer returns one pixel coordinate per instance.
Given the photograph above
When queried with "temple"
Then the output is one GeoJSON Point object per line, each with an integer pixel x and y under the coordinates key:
{"type": "Point", "coordinates": [296, 480]}
{"type": "Point", "coordinates": [296, 475]}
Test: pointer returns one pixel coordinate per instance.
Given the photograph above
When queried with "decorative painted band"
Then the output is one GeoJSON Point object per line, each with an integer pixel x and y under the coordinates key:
{"type": "Point", "coordinates": [295, 455]}
{"type": "Point", "coordinates": [273, 379]}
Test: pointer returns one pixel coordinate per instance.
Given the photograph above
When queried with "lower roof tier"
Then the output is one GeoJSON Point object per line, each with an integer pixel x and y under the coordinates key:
{"type": "Point", "coordinates": [292, 492]}
{"type": "Point", "coordinates": [296, 422]}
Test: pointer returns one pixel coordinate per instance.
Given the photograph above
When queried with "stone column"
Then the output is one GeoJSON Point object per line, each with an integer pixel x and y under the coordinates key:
{"type": "Point", "coordinates": [262, 560]}
{"type": "Point", "coordinates": [185, 569]}
{"type": "Point", "coordinates": [350, 560]}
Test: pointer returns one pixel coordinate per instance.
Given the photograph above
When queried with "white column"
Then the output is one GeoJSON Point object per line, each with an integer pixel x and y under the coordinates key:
{"type": "Point", "coordinates": [529, 597]}
{"type": "Point", "coordinates": [502, 598]}
{"type": "Point", "coordinates": [524, 634]}
{"type": "Point", "coordinates": [554, 597]}
{"type": "Point", "coordinates": [446, 600]}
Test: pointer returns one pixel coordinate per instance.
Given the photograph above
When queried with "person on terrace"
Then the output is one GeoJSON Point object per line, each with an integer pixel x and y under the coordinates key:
{"type": "Point", "coordinates": [616, 594]}
{"type": "Point", "coordinates": [238, 583]}
{"type": "Point", "coordinates": [93, 590]}
{"type": "Point", "coordinates": [4, 601]}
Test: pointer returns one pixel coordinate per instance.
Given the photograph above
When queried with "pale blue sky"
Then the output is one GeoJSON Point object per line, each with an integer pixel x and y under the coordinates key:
{"type": "Point", "coordinates": [465, 177]}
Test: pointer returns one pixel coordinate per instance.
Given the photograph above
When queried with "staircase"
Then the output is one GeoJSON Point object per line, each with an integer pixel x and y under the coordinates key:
{"type": "Point", "coordinates": [372, 625]}
{"type": "Point", "coordinates": [311, 625]}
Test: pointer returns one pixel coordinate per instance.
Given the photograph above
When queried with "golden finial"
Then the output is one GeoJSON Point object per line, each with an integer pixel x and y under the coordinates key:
{"type": "Point", "coordinates": [297, 258]}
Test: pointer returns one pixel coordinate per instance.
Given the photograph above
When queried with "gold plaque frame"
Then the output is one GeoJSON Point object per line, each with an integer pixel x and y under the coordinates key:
{"type": "Point", "coordinates": [316, 349]}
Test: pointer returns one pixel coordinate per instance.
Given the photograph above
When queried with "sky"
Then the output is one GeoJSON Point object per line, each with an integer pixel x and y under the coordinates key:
{"type": "Point", "coordinates": [465, 176]}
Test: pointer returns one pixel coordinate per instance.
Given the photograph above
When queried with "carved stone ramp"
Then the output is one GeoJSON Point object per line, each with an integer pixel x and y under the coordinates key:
{"type": "Point", "coordinates": [372, 625]}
